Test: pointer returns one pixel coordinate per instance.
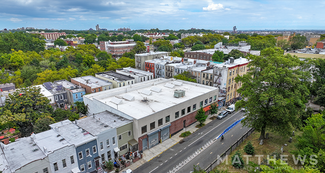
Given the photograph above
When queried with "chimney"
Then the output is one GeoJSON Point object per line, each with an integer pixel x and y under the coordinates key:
{"type": "Point", "coordinates": [195, 61]}
{"type": "Point", "coordinates": [231, 60]}
{"type": "Point", "coordinates": [208, 64]}
{"type": "Point", "coordinates": [75, 121]}
{"type": "Point", "coordinates": [182, 59]}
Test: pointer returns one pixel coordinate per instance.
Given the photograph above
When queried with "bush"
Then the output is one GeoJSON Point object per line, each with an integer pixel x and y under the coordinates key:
{"type": "Point", "coordinates": [12, 139]}
{"type": "Point", "coordinates": [249, 149]}
{"type": "Point", "coordinates": [237, 160]}
{"type": "Point", "coordinates": [117, 170]}
{"type": "Point", "coordinates": [109, 165]}
{"type": "Point", "coordinates": [187, 133]}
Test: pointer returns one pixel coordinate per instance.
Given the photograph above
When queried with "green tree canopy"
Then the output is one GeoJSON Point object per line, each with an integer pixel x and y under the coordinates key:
{"type": "Point", "coordinates": [43, 124]}
{"type": "Point", "coordinates": [200, 116]}
{"type": "Point", "coordinates": [235, 53]}
{"type": "Point", "coordinates": [139, 47]}
{"type": "Point", "coordinates": [218, 56]}
{"type": "Point", "coordinates": [273, 92]}
{"type": "Point", "coordinates": [137, 37]}
{"type": "Point", "coordinates": [21, 41]}
{"type": "Point", "coordinates": [60, 42]}
{"type": "Point", "coordinates": [198, 47]}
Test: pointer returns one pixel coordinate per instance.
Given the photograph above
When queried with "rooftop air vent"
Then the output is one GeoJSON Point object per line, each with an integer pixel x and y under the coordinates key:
{"type": "Point", "coordinates": [128, 97]}
{"type": "Point", "coordinates": [169, 85]}
{"type": "Point", "coordinates": [146, 92]}
{"type": "Point", "coordinates": [35, 150]}
{"type": "Point", "coordinates": [177, 83]}
{"type": "Point", "coordinates": [179, 93]}
{"type": "Point", "coordinates": [116, 101]}
{"type": "Point", "coordinates": [106, 126]}
{"type": "Point", "coordinates": [156, 89]}
{"type": "Point", "coordinates": [61, 140]}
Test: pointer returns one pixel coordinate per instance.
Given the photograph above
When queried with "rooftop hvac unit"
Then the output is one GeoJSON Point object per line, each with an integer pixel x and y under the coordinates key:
{"type": "Point", "coordinates": [179, 93]}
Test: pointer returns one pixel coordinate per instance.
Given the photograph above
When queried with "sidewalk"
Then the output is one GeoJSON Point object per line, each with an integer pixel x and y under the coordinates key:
{"type": "Point", "coordinates": [155, 151]}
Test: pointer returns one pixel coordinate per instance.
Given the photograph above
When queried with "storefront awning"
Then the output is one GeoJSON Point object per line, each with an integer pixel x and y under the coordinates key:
{"type": "Point", "coordinates": [116, 149]}
{"type": "Point", "coordinates": [133, 142]}
{"type": "Point", "coordinates": [206, 108]}
{"type": "Point", "coordinates": [165, 127]}
{"type": "Point", "coordinates": [154, 132]}
{"type": "Point", "coordinates": [75, 170]}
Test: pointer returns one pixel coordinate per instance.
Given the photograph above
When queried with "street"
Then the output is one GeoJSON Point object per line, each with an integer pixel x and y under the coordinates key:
{"type": "Point", "coordinates": [178, 153]}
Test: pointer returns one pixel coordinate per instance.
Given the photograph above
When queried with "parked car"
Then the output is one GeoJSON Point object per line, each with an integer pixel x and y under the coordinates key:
{"type": "Point", "coordinates": [231, 108]}
{"type": "Point", "coordinates": [222, 114]}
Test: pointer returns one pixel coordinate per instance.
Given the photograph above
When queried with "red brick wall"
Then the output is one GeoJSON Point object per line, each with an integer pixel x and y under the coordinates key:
{"type": "Point", "coordinates": [102, 45]}
{"type": "Point", "coordinates": [198, 55]}
{"type": "Point", "coordinates": [150, 67]}
{"type": "Point", "coordinates": [140, 141]}
{"type": "Point", "coordinates": [87, 88]}
{"type": "Point", "coordinates": [320, 45]}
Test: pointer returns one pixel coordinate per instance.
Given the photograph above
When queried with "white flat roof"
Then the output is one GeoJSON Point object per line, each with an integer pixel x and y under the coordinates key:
{"type": "Point", "coordinates": [72, 133]}
{"type": "Point", "coordinates": [146, 100]}
{"type": "Point", "coordinates": [238, 61]}
{"type": "Point", "coordinates": [121, 45]}
{"type": "Point", "coordinates": [93, 82]}
{"type": "Point", "coordinates": [92, 125]}
{"type": "Point", "coordinates": [22, 152]}
{"type": "Point", "coordinates": [151, 53]}
{"type": "Point", "coordinates": [136, 72]}
{"type": "Point", "coordinates": [44, 91]}
{"type": "Point", "coordinates": [50, 140]}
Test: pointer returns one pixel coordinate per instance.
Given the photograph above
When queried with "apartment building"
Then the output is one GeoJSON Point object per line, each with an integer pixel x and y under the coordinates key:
{"type": "Point", "coordinates": [138, 75]}
{"type": "Point", "coordinates": [117, 48]}
{"type": "Point", "coordinates": [117, 79]}
{"type": "Point", "coordinates": [140, 59]}
{"type": "Point", "coordinates": [92, 84]}
{"type": "Point", "coordinates": [157, 107]}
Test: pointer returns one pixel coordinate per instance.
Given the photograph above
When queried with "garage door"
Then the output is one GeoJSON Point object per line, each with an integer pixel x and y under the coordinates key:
{"type": "Point", "coordinates": [153, 139]}
{"type": "Point", "coordinates": [165, 134]}
{"type": "Point", "coordinates": [144, 144]}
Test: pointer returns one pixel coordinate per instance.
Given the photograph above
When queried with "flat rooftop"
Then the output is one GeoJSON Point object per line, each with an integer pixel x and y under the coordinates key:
{"type": "Point", "coordinates": [143, 99]}
{"type": "Point", "coordinates": [236, 62]}
{"type": "Point", "coordinates": [151, 53]}
{"type": "Point", "coordinates": [115, 76]}
{"type": "Point", "coordinates": [68, 85]}
{"type": "Point", "coordinates": [92, 81]}
{"type": "Point", "coordinates": [44, 91]}
{"type": "Point", "coordinates": [136, 72]}
{"type": "Point", "coordinates": [72, 133]}
{"type": "Point", "coordinates": [22, 152]}
{"type": "Point", "coordinates": [92, 125]}
{"type": "Point", "coordinates": [113, 120]}
{"type": "Point", "coordinates": [50, 140]}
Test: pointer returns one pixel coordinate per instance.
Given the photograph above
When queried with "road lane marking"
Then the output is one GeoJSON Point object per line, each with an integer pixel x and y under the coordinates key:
{"type": "Point", "coordinates": [212, 129]}
{"type": "Point", "coordinates": [221, 143]}
{"type": "Point", "coordinates": [176, 154]}
{"type": "Point", "coordinates": [181, 151]}
{"type": "Point", "coordinates": [171, 157]}
{"type": "Point", "coordinates": [153, 169]}
{"type": "Point", "coordinates": [166, 161]}
{"type": "Point", "coordinates": [232, 135]}
{"type": "Point", "coordinates": [197, 163]}
{"type": "Point", "coordinates": [184, 148]}
{"type": "Point", "coordinates": [211, 153]}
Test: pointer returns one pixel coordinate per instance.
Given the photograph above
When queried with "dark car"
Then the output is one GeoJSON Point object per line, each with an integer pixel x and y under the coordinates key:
{"type": "Point", "coordinates": [222, 114]}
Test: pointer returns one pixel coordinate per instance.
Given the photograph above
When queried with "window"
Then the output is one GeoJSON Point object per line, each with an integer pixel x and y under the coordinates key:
{"type": "Point", "coordinates": [123, 147]}
{"type": "Point", "coordinates": [61, 97]}
{"type": "Point", "coordinates": [56, 168]}
{"type": "Point", "coordinates": [206, 102]}
{"type": "Point", "coordinates": [87, 152]}
{"type": "Point", "coordinates": [101, 145]}
{"type": "Point", "coordinates": [129, 133]}
{"type": "Point", "coordinates": [71, 159]}
{"type": "Point", "coordinates": [143, 129]}
{"type": "Point", "coordinates": [167, 118]}
{"type": "Point", "coordinates": [107, 142]}
{"type": "Point", "coordinates": [89, 164]}
{"type": "Point", "coordinates": [56, 98]}
{"type": "Point", "coordinates": [215, 98]}
{"type": "Point", "coordinates": [229, 81]}
{"type": "Point", "coordinates": [64, 163]}
{"type": "Point", "coordinates": [203, 82]}
{"type": "Point", "coordinates": [103, 158]}
{"type": "Point", "coordinates": [94, 90]}
{"type": "Point", "coordinates": [109, 155]}
{"type": "Point", "coordinates": [131, 82]}
{"type": "Point", "coordinates": [119, 137]}
{"type": "Point", "coordinates": [80, 155]}
{"type": "Point", "coordinates": [104, 88]}
{"type": "Point", "coordinates": [201, 103]}
{"type": "Point", "coordinates": [113, 140]}
{"type": "Point", "coordinates": [188, 109]}
{"type": "Point", "coordinates": [210, 100]}
{"type": "Point", "coordinates": [152, 125]}
{"type": "Point", "coordinates": [183, 112]}
{"type": "Point", "coordinates": [230, 73]}
{"type": "Point", "coordinates": [76, 96]}
{"type": "Point", "coordinates": [82, 167]}
{"type": "Point", "coordinates": [176, 114]}
{"type": "Point", "coordinates": [94, 150]}
{"type": "Point", "coordinates": [119, 85]}
{"type": "Point", "coordinates": [194, 107]}
{"type": "Point", "coordinates": [45, 170]}
{"type": "Point", "coordinates": [98, 89]}
{"type": "Point", "coordinates": [81, 94]}
{"type": "Point", "coordinates": [160, 122]}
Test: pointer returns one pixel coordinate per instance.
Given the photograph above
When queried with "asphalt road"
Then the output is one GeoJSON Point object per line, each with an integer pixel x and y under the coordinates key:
{"type": "Point", "coordinates": [179, 152]}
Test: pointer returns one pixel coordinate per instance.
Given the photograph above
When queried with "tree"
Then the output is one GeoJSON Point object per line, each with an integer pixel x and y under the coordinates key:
{"type": "Point", "coordinates": [218, 56]}
{"type": "Point", "coordinates": [109, 165]}
{"type": "Point", "coordinates": [50, 75]}
{"type": "Point", "coordinates": [185, 76]}
{"type": "Point", "coordinates": [42, 124]}
{"type": "Point", "coordinates": [139, 47]}
{"type": "Point", "coordinates": [235, 53]}
{"type": "Point", "coordinates": [214, 108]}
{"type": "Point", "coordinates": [273, 92]}
{"type": "Point", "coordinates": [200, 116]}
{"type": "Point", "coordinates": [319, 76]}
{"type": "Point", "coordinates": [90, 38]}
{"type": "Point", "coordinates": [60, 42]}
{"type": "Point", "coordinates": [179, 45]}
{"type": "Point", "coordinates": [198, 47]}
{"type": "Point", "coordinates": [120, 37]}
{"type": "Point", "coordinates": [237, 160]}
{"type": "Point", "coordinates": [298, 42]}
{"type": "Point", "coordinates": [88, 60]}
{"type": "Point", "coordinates": [226, 33]}
{"type": "Point", "coordinates": [60, 115]}
{"type": "Point", "coordinates": [126, 62]}
{"type": "Point", "coordinates": [137, 38]}
{"type": "Point", "coordinates": [277, 166]}
{"type": "Point", "coordinates": [249, 149]}
{"type": "Point", "coordinates": [93, 70]}
{"type": "Point", "coordinates": [82, 108]}
{"type": "Point", "coordinates": [129, 55]}
{"type": "Point", "coordinates": [320, 97]}
{"type": "Point", "coordinates": [30, 102]}
{"type": "Point", "coordinates": [103, 55]}
{"type": "Point", "coordinates": [164, 48]}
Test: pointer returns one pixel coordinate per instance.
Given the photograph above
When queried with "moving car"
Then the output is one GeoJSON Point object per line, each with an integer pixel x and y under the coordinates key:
{"type": "Point", "coordinates": [222, 115]}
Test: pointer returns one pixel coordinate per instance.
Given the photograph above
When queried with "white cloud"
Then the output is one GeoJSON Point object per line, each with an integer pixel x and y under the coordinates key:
{"type": "Point", "coordinates": [299, 17]}
{"type": "Point", "coordinates": [41, 18]}
{"type": "Point", "coordinates": [71, 18]}
{"type": "Point", "coordinates": [74, 9]}
{"type": "Point", "coordinates": [82, 18]}
{"type": "Point", "coordinates": [104, 17]}
{"type": "Point", "coordinates": [184, 18]}
{"type": "Point", "coordinates": [15, 20]}
{"type": "Point", "coordinates": [228, 9]}
{"type": "Point", "coordinates": [212, 7]}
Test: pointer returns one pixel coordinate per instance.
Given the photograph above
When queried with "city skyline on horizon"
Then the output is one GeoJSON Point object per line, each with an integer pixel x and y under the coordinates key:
{"type": "Point", "coordinates": [167, 14]}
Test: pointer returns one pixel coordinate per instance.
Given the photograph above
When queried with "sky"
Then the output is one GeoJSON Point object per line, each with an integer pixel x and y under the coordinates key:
{"type": "Point", "coordinates": [163, 14]}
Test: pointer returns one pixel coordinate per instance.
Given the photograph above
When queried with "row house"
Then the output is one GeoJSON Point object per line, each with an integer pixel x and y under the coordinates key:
{"type": "Point", "coordinates": [92, 84]}
{"type": "Point", "coordinates": [75, 92]}
{"type": "Point", "coordinates": [138, 75]}
{"type": "Point", "coordinates": [59, 94]}
{"type": "Point", "coordinates": [140, 59]}
{"type": "Point", "coordinates": [117, 79]}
